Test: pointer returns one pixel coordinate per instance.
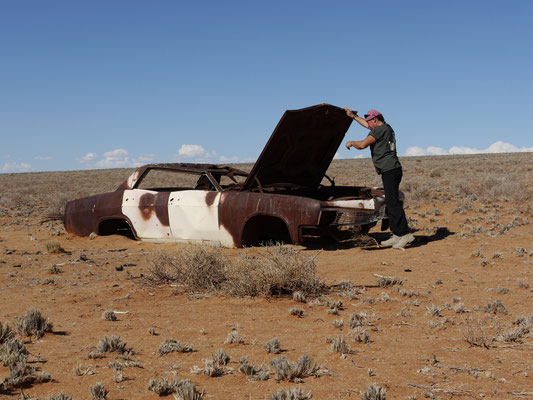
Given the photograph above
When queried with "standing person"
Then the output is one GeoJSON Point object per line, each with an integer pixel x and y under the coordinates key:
{"type": "Point", "coordinates": [382, 144]}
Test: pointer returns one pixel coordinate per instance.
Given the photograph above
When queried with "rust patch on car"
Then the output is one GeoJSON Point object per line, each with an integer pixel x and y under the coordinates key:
{"type": "Point", "coordinates": [210, 198]}
{"type": "Point", "coordinates": [146, 205]}
{"type": "Point", "coordinates": [161, 208]}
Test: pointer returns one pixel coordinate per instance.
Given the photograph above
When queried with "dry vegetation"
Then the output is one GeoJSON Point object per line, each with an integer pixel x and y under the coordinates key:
{"type": "Point", "coordinates": [449, 317]}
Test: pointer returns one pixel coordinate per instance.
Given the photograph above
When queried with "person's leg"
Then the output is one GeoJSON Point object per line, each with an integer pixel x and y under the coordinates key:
{"type": "Point", "coordinates": [397, 220]}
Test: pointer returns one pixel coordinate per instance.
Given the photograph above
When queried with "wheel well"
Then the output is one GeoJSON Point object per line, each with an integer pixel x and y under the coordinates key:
{"type": "Point", "coordinates": [264, 228]}
{"type": "Point", "coordinates": [115, 227]}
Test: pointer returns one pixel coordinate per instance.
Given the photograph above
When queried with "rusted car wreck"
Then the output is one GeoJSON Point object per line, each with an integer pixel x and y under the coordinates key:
{"type": "Point", "coordinates": [280, 199]}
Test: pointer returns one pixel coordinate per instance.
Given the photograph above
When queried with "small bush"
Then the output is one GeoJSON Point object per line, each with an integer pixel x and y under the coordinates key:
{"type": "Point", "coordinates": [254, 374]}
{"type": "Point", "coordinates": [171, 345]}
{"type": "Point", "coordinates": [213, 367]}
{"type": "Point", "coordinates": [98, 391]}
{"type": "Point", "coordinates": [496, 307]}
{"type": "Point", "coordinates": [291, 394]}
{"type": "Point", "coordinates": [374, 392]}
{"type": "Point", "coordinates": [289, 370]}
{"type": "Point", "coordinates": [234, 337]}
{"type": "Point", "coordinates": [273, 346]}
{"type": "Point", "coordinates": [279, 271]}
{"type": "Point", "coordinates": [109, 315]}
{"type": "Point", "coordinates": [384, 281]}
{"type": "Point", "coordinates": [163, 387]}
{"type": "Point", "coordinates": [109, 344]}
{"type": "Point", "coordinates": [296, 311]}
{"type": "Point", "coordinates": [33, 324]}
{"type": "Point", "coordinates": [339, 345]}
{"type": "Point", "coordinates": [54, 247]}
{"type": "Point", "coordinates": [5, 333]}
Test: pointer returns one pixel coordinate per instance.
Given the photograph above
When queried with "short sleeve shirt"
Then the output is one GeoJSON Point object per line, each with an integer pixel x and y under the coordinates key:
{"type": "Point", "coordinates": [384, 150]}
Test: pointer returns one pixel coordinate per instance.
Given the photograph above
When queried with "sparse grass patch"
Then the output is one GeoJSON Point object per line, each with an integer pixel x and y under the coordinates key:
{"type": "Point", "coordinates": [296, 311]}
{"type": "Point", "coordinates": [171, 346]}
{"type": "Point", "coordinates": [234, 337]}
{"type": "Point", "coordinates": [295, 393]}
{"type": "Point", "coordinates": [53, 247]}
{"type": "Point", "coordinates": [214, 367]}
{"type": "Point", "coordinates": [5, 333]}
{"type": "Point", "coordinates": [295, 371]}
{"type": "Point", "coordinates": [98, 391]}
{"type": "Point", "coordinates": [339, 345]}
{"type": "Point", "coordinates": [384, 281]}
{"type": "Point", "coordinates": [496, 307]}
{"type": "Point", "coordinates": [374, 392]}
{"type": "Point", "coordinates": [33, 324]}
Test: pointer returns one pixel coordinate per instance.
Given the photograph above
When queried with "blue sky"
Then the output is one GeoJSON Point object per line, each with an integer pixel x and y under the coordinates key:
{"type": "Point", "coordinates": [122, 83]}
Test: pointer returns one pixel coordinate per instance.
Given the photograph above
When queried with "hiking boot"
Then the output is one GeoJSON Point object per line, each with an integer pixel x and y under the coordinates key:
{"type": "Point", "coordinates": [390, 242]}
{"type": "Point", "coordinates": [404, 241]}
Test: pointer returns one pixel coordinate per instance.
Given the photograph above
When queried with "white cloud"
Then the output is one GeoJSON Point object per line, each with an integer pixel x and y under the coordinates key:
{"type": "Point", "coordinates": [16, 167]}
{"type": "Point", "coordinates": [88, 158]}
{"type": "Point", "coordinates": [191, 151]}
{"type": "Point", "coordinates": [497, 147]}
{"type": "Point", "coordinates": [42, 158]}
{"type": "Point", "coordinates": [117, 158]}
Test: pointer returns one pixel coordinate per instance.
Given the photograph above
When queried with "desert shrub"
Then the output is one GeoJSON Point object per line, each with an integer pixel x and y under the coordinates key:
{"type": "Point", "coordinates": [296, 311]}
{"type": "Point", "coordinates": [109, 315]}
{"type": "Point", "coordinates": [496, 307]}
{"type": "Point", "coordinates": [11, 349]}
{"type": "Point", "coordinates": [278, 271]}
{"type": "Point", "coordinates": [163, 387]}
{"type": "Point", "coordinates": [53, 247]}
{"type": "Point", "coordinates": [290, 370]}
{"type": "Point", "coordinates": [171, 345]}
{"type": "Point", "coordinates": [221, 357]}
{"type": "Point", "coordinates": [384, 281]}
{"type": "Point", "coordinates": [5, 333]}
{"type": "Point", "coordinates": [374, 392]}
{"type": "Point", "coordinates": [291, 394]}
{"type": "Point", "coordinates": [187, 391]}
{"type": "Point", "coordinates": [109, 344]}
{"type": "Point", "coordinates": [254, 374]}
{"type": "Point", "coordinates": [234, 337]}
{"type": "Point", "coordinates": [359, 334]}
{"type": "Point", "coordinates": [33, 324]}
{"type": "Point", "coordinates": [273, 346]}
{"type": "Point", "coordinates": [213, 367]}
{"type": "Point", "coordinates": [339, 345]}
{"type": "Point", "coordinates": [98, 391]}
{"type": "Point", "coordinates": [195, 267]}
{"type": "Point", "coordinates": [57, 206]}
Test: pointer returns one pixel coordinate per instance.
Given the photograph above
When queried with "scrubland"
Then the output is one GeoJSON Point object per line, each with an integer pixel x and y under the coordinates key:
{"type": "Point", "coordinates": [112, 318]}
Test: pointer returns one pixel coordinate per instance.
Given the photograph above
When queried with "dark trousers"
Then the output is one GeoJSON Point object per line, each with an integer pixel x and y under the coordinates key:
{"type": "Point", "coordinates": [391, 183]}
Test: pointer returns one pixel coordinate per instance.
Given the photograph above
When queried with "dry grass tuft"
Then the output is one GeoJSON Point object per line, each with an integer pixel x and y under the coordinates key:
{"type": "Point", "coordinates": [53, 247]}
{"type": "Point", "coordinates": [374, 392]}
{"type": "Point", "coordinates": [384, 281]}
{"type": "Point", "coordinates": [171, 346]}
{"type": "Point", "coordinates": [234, 337]}
{"type": "Point", "coordinates": [291, 394]}
{"type": "Point", "coordinates": [273, 346]}
{"type": "Point", "coordinates": [289, 370]}
{"type": "Point", "coordinates": [279, 271]}
{"type": "Point", "coordinates": [339, 345]}
{"type": "Point", "coordinates": [5, 333]}
{"type": "Point", "coordinates": [496, 307]}
{"type": "Point", "coordinates": [109, 315]}
{"type": "Point", "coordinates": [33, 324]}
{"type": "Point", "coordinates": [109, 344]}
{"type": "Point", "coordinates": [184, 389]}
{"type": "Point", "coordinates": [254, 374]}
{"type": "Point", "coordinates": [98, 391]}
{"type": "Point", "coordinates": [214, 367]}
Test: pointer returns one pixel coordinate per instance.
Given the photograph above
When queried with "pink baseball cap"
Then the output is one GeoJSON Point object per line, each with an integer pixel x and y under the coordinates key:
{"type": "Point", "coordinates": [372, 114]}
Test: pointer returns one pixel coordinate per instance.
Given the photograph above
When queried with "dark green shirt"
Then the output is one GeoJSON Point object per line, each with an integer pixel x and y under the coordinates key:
{"type": "Point", "coordinates": [384, 150]}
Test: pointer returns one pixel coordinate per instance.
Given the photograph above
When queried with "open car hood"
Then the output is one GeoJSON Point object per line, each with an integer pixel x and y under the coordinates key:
{"type": "Point", "coordinates": [301, 147]}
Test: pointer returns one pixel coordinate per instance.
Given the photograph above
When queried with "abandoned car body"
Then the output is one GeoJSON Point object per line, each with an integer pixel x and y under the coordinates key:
{"type": "Point", "coordinates": [280, 199]}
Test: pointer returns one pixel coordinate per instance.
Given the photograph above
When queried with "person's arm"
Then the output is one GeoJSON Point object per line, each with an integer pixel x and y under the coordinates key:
{"type": "Point", "coordinates": [361, 144]}
{"type": "Point", "coordinates": [353, 115]}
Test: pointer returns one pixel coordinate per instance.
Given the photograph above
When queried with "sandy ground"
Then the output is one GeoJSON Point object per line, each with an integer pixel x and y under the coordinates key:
{"type": "Point", "coordinates": [411, 353]}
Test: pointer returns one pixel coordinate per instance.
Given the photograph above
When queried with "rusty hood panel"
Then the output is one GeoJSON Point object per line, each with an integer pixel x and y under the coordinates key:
{"type": "Point", "coordinates": [301, 147]}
